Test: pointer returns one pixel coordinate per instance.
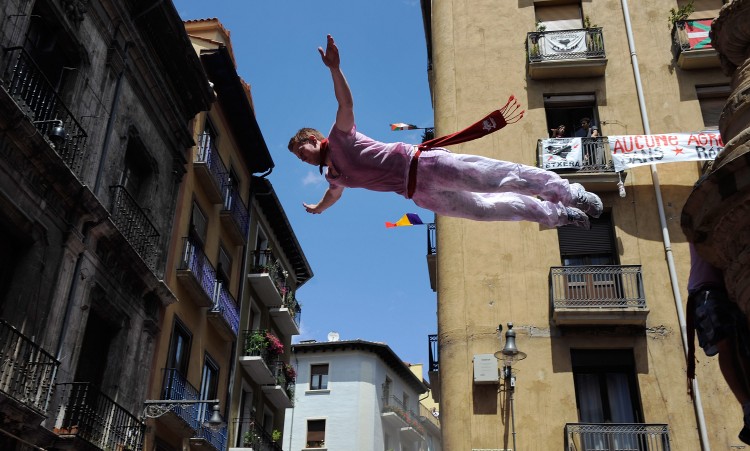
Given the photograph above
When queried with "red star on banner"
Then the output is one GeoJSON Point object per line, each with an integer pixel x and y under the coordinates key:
{"type": "Point", "coordinates": [678, 150]}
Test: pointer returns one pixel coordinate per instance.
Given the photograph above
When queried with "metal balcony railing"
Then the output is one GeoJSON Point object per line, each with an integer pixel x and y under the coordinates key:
{"type": "Point", "coordinates": [393, 404]}
{"type": "Point", "coordinates": [290, 302]}
{"type": "Point", "coordinates": [252, 435]}
{"type": "Point", "coordinates": [616, 437]}
{"type": "Point", "coordinates": [597, 286]}
{"type": "Point", "coordinates": [176, 386]}
{"type": "Point", "coordinates": [227, 306]}
{"type": "Point", "coordinates": [565, 44]}
{"type": "Point", "coordinates": [217, 439]}
{"type": "Point", "coordinates": [595, 156]}
{"type": "Point", "coordinates": [208, 154]}
{"type": "Point", "coordinates": [431, 239]}
{"type": "Point", "coordinates": [433, 353]}
{"type": "Point", "coordinates": [237, 209]}
{"type": "Point", "coordinates": [285, 379]}
{"type": "Point", "coordinates": [690, 35]}
{"type": "Point", "coordinates": [93, 416]}
{"type": "Point", "coordinates": [266, 262]}
{"type": "Point", "coordinates": [134, 225]}
{"type": "Point", "coordinates": [194, 260]}
{"type": "Point", "coordinates": [26, 370]}
{"type": "Point", "coordinates": [257, 345]}
{"type": "Point", "coordinates": [26, 82]}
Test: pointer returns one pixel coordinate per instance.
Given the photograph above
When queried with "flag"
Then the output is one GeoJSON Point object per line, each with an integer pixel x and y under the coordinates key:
{"type": "Point", "coordinates": [402, 126]}
{"type": "Point", "coordinates": [408, 219]}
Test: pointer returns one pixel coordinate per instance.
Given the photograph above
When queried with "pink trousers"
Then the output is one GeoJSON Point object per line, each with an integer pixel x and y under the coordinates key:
{"type": "Point", "coordinates": [484, 189]}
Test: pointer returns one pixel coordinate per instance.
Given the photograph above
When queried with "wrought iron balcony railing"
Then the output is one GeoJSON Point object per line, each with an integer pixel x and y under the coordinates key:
{"type": "Point", "coordinates": [393, 404]}
{"type": "Point", "coordinates": [217, 439]}
{"type": "Point", "coordinates": [194, 260]}
{"type": "Point", "coordinates": [565, 44]}
{"type": "Point", "coordinates": [237, 209]}
{"type": "Point", "coordinates": [90, 415]}
{"type": "Point", "coordinates": [176, 386]}
{"type": "Point", "coordinates": [295, 309]}
{"type": "Point", "coordinates": [26, 82]}
{"type": "Point", "coordinates": [693, 34]}
{"type": "Point", "coordinates": [209, 155]}
{"type": "Point", "coordinates": [134, 225]}
{"type": "Point", "coordinates": [26, 370]}
{"type": "Point", "coordinates": [617, 437]}
{"type": "Point", "coordinates": [285, 377]}
{"type": "Point", "coordinates": [597, 286]}
{"type": "Point", "coordinates": [595, 154]}
{"type": "Point", "coordinates": [252, 435]}
{"type": "Point", "coordinates": [227, 306]}
{"type": "Point", "coordinates": [266, 262]}
{"type": "Point", "coordinates": [433, 353]}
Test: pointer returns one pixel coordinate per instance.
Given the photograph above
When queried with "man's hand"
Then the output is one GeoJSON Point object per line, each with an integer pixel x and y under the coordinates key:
{"type": "Point", "coordinates": [313, 208]}
{"type": "Point", "coordinates": [331, 56]}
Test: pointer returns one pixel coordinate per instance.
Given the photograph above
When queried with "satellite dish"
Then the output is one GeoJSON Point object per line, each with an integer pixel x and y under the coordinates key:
{"type": "Point", "coordinates": [333, 336]}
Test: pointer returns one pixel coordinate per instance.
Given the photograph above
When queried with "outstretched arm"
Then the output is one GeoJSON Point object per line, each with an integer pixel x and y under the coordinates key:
{"type": "Point", "coordinates": [332, 194]}
{"type": "Point", "coordinates": [345, 112]}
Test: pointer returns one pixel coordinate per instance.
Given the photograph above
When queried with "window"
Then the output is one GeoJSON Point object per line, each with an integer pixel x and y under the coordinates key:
{"type": "Point", "coordinates": [209, 386]}
{"type": "Point", "coordinates": [224, 268]}
{"type": "Point", "coordinates": [206, 142]}
{"type": "Point", "coordinates": [559, 17]}
{"type": "Point", "coordinates": [179, 348]}
{"type": "Point", "coordinates": [712, 100]}
{"type": "Point", "coordinates": [387, 390]}
{"type": "Point", "coordinates": [316, 433]}
{"type": "Point", "coordinates": [247, 414]}
{"type": "Point", "coordinates": [198, 224]}
{"type": "Point", "coordinates": [319, 377]}
{"type": "Point", "coordinates": [406, 401]}
{"type": "Point", "coordinates": [231, 189]}
{"type": "Point", "coordinates": [606, 392]}
{"type": "Point", "coordinates": [136, 170]}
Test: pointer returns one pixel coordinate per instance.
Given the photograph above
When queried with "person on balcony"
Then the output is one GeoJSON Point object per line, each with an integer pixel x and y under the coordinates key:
{"type": "Point", "coordinates": [558, 132]}
{"type": "Point", "coordinates": [587, 130]}
{"type": "Point", "coordinates": [722, 329]}
{"type": "Point", "coordinates": [463, 186]}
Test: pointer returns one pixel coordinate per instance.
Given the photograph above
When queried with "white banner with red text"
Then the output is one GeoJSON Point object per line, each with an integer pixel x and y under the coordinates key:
{"type": "Point", "coordinates": [629, 151]}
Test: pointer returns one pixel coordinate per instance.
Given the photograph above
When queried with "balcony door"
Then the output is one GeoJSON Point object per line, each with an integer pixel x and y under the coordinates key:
{"type": "Point", "coordinates": [209, 387]}
{"type": "Point", "coordinates": [590, 255]}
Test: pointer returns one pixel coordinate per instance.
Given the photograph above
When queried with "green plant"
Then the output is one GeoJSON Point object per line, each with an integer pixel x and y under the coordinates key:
{"type": "Point", "coordinates": [540, 27]}
{"type": "Point", "coordinates": [276, 435]}
{"type": "Point", "coordinates": [587, 23]}
{"type": "Point", "coordinates": [256, 342]}
{"type": "Point", "coordinates": [681, 13]}
{"type": "Point", "coordinates": [250, 439]}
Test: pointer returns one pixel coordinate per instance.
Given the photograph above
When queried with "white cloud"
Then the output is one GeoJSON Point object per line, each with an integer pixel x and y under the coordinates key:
{"type": "Point", "coordinates": [312, 178]}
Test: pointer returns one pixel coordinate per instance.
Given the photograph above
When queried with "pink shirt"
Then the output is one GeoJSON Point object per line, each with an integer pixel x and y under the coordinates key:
{"type": "Point", "coordinates": [362, 162]}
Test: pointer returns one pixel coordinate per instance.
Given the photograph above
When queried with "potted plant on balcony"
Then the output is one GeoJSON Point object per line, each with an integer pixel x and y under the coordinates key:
{"type": "Point", "coordinates": [276, 435]}
{"type": "Point", "coordinates": [274, 344]}
{"type": "Point", "coordinates": [255, 342]}
{"type": "Point", "coordinates": [251, 440]}
{"type": "Point", "coordinates": [680, 14]}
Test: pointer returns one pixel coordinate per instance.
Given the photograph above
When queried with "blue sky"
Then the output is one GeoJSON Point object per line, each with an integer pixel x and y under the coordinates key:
{"type": "Point", "coordinates": [370, 282]}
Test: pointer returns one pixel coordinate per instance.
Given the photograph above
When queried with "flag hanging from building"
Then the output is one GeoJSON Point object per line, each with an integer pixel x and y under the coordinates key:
{"type": "Point", "coordinates": [629, 151]}
{"type": "Point", "coordinates": [408, 219]}
{"type": "Point", "coordinates": [698, 33]}
{"type": "Point", "coordinates": [402, 126]}
{"type": "Point", "coordinates": [562, 153]}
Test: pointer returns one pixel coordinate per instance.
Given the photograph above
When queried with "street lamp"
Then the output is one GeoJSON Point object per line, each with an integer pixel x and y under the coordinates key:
{"type": "Point", "coordinates": [57, 133]}
{"type": "Point", "coordinates": [154, 408]}
{"type": "Point", "coordinates": [509, 355]}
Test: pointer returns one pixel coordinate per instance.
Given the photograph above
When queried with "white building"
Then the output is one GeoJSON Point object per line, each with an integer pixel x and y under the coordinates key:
{"type": "Point", "coordinates": [357, 395]}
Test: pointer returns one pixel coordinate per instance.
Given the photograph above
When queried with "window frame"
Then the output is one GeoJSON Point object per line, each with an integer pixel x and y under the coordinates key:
{"type": "Point", "coordinates": [323, 381]}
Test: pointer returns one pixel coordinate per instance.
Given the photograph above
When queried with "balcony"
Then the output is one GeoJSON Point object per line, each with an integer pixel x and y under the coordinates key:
{"type": "Point", "coordinates": [267, 278]}
{"type": "Point", "coordinates": [597, 295]}
{"type": "Point", "coordinates": [257, 359]}
{"type": "Point", "coordinates": [206, 439]}
{"type": "Point", "coordinates": [432, 254]}
{"type": "Point", "coordinates": [434, 368]}
{"type": "Point", "coordinates": [288, 317]}
{"type": "Point", "coordinates": [691, 44]}
{"type": "Point", "coordinates": [566, 54]}
{"type": "Point", "coordinates": [253, 437]}
{"type": "Point", "coordinates": [224, 315]}
{"type": "Point", "coordinates": [209, 170]}
{"type": "Point", "coordinates": [395, 414]}
{"type": "Point", "coordinates": [616, 437]}
{"type": "Point", "coordinates": [181, 419]}
{"type": "Point", "coordinates": [134, 225]}
{"type": "Point", "coordinates": [281, 392]}
{"type": "Point", "coordinates": [429, 420]}
{"type": "Point", "coordinates": [88, 417]}
{"type": "Point", "coordinates": [196, 273]}
{"type": "Point", "coordinates": [26, 83]}
{"type": "Point", "coordinates": [594, 169]}
{"type": "Point", "coordinates": [234, 215]}
{"type": "Point", "coordinates": [27, 374]}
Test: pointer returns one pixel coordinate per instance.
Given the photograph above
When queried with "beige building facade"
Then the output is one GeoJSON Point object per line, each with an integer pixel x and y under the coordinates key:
{"type": "Point", "coordinates": [599, 313]}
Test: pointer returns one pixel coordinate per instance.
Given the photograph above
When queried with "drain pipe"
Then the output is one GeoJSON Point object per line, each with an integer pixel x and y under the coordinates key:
{"type": "Point", "coordinates": [698, 405]}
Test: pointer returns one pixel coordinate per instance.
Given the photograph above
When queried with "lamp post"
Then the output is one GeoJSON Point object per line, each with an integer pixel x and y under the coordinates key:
{"type": "Point", "coordinates": [154, 408]}
{"type": "Point", "coordinates": [57, 134]}
{"type": "Point", "coordinates": [509, 355]}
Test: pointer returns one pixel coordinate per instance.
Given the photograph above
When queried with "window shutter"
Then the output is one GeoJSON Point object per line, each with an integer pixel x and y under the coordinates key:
{"type": "Point", "coordinates": [560, 17]}
{"type": "Point", "coordinates": [577, 241]}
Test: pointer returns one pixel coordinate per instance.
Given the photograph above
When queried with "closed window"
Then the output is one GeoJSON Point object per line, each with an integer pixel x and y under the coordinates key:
{"type": "Point", "coordinates": [198, 224]}
{"type": "Point", "coordinates": [559, 17]}
{"type": "Point", "coordinates": [316, 433]}
{"type": "Point", "coordinates": [319, 377]}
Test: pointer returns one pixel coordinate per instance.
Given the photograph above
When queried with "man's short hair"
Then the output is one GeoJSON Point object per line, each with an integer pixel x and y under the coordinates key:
{"type": "Point", "coordinates": [302, 135]}
{"type": "Point", "coordinates": [585, 119]}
